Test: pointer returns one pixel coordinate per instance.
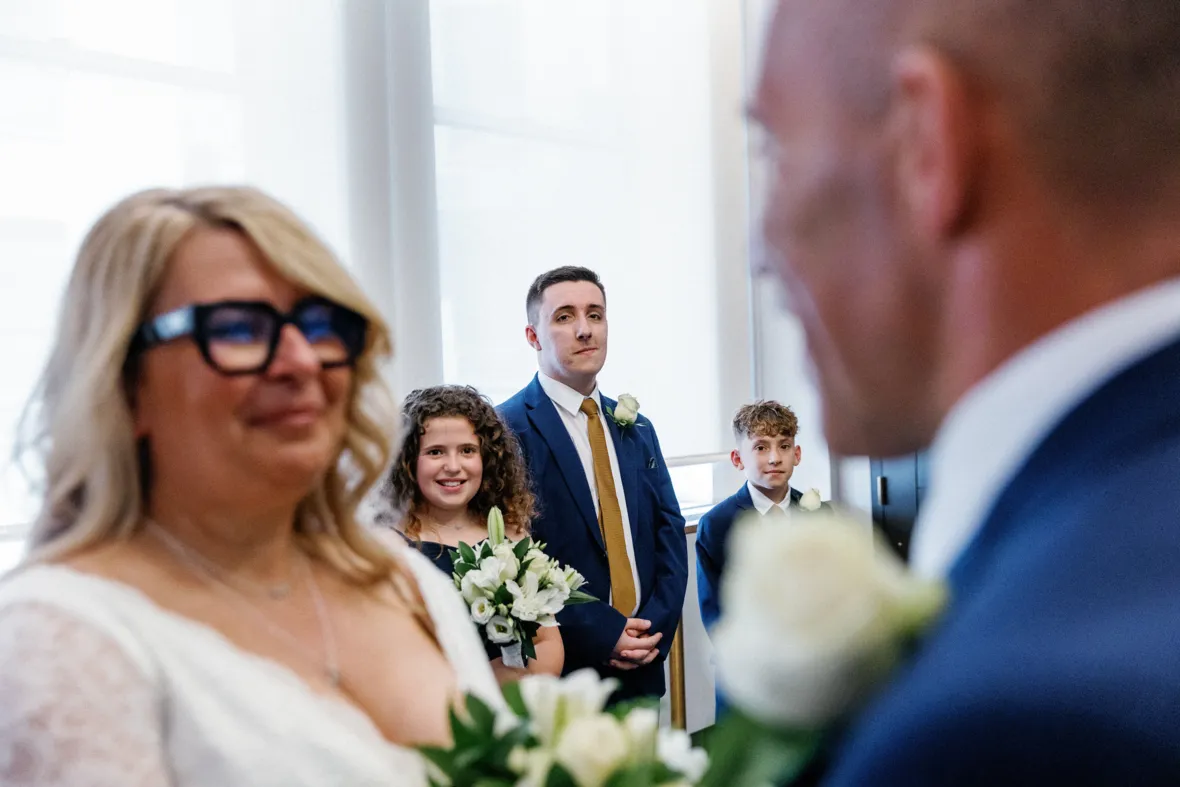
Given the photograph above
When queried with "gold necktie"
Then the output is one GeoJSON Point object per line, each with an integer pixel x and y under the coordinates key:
{"type": "Point", "coordinates": [610, 516]}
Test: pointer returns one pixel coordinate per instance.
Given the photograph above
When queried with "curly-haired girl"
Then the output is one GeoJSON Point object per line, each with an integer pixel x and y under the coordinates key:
{"type": "Point", "coordinates": [458, 460]}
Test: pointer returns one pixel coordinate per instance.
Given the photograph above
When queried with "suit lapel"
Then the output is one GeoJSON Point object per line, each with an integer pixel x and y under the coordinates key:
{"type": "Point", "coordinates": [743, 499]}
{"type": "Point", "coordinates": [1136, 407]}
{"type": "Point", "coordinates": [545, 419]}
{"type": "Point", "coordinates": [796, 496]}
{"type": "Point", "coordinates": [628, 456]}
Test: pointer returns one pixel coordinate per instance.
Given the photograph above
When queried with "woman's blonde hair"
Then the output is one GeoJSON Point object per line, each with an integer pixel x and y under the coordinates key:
{"type": "Point", "coordinates": [80, 423]}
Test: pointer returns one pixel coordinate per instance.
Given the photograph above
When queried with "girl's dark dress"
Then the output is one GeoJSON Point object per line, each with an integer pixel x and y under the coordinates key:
{"type": "Point", "coordinates": [440, 555]}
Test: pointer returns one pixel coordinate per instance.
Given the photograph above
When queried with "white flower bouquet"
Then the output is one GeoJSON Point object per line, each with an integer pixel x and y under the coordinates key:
{"type": "Point", "coordinates": [556, 733]}
{"type": "Point", "coordinates": [513, 589]}
{"type": "Point", "coordinates": [816, 617]}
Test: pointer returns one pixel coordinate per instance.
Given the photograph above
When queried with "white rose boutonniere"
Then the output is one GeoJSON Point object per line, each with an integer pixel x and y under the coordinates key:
{"type": "Point", "coordinates": [811, 501]}
{"type": "Point", "coordinates": [815, 620]}
{"type": "Point", "coordinates": [626, 413]}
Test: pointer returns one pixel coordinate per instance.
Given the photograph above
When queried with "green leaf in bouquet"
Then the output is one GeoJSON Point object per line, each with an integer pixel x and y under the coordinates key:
{"type": "Point", "coordinates": [461, 569]}
{"type": "Point", "coordinates": [461, 733]}
{"type": "Point", "coordinates": [643, 774]}
{"type": "Point", "coordinates": [633, 776]}
{"type": "Point", "coordinates": [746, 753]}
{"type": "Point", "coordinates": [579, 597]}
{"type": "Point", "coordinates": [515, 699]}
{"type": "Point", "coordinates": [503, 596]}
{"type": "Point", "coordinates": [443, 760]}
{"type": "Point", "coordinates": [467, 553]}
{"type": "Point", "coordinates": [559, 777]}
{"type": "Point", "coordinates": [527, 648]}
{"type": "Point", "coordinates": [662, 774]}
{"type": "Point", "coordinates": [522, 548]}
{"type": "Point", "coordinates": [485, 550]}
{"type": "Point", "coordinates": [483, 718]}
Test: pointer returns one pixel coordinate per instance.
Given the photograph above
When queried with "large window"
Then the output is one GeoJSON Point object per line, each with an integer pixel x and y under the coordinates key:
{"type": "Point", "coordinates": [450, 150]}
{"type": "Point", "coordinates": [580, 133]}
{"type": "Point", "coordinates": [100, 99]}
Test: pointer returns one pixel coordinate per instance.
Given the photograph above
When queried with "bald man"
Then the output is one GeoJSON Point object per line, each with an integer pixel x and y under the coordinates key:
{"type": "Point", "coordinates": [974, 211]}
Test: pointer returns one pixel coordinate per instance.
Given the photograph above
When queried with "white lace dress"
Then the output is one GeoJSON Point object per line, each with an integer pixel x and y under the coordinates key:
{"type": "Point", "coordinates": [100, 687]}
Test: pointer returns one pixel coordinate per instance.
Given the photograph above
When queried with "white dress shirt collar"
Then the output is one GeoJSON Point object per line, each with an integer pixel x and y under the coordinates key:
{"type": "Point", "coordinates": [997, 425]}
{"type": "Point", "coordinates": [764, 503]}
{"type": "Point", "coordinates": [565, 397]}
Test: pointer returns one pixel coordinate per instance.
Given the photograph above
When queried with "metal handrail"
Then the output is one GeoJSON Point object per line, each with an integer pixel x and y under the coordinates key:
{"type": "Point", "coordinates": [697, 459]}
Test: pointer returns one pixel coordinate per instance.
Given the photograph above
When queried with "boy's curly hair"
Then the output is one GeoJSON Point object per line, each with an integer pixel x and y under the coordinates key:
{"type": "Point", "coordinates": [505, 477]}
{"type": "Point", "coordinates": [765, 418]}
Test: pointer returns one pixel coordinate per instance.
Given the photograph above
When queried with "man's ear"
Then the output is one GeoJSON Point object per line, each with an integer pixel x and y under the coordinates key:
{"type": "Point", "coordinates": [530, 336]}
{"type": "Point", "coordinates": [736, 459]}
{"type": "Point", "coordinates": [936, 135]}
{"type": "Point", "coordinates": [798, 455]}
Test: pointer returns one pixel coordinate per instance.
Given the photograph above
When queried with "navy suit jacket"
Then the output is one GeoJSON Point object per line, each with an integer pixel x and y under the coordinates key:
{"type": "Point", "coordinates": [568, 523]}
{"type": "Point", "coordinates": [1058, 660]}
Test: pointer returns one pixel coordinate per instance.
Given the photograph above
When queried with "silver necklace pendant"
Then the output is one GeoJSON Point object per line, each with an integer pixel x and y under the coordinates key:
{"type": "Point", "coordinates": [203, 566]}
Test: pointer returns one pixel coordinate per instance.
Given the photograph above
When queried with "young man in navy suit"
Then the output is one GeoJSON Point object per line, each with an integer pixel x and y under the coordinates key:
{"type": "Point", "coordinates": [605, 498]}
{"type": "Point", "coordinates": [766, 452]}
{"type": "Point", "coordinates": [973, 210]}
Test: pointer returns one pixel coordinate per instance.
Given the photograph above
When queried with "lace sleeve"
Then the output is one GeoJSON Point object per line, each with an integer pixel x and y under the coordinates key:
{"type": "Point", "coordinates": [74, 708]}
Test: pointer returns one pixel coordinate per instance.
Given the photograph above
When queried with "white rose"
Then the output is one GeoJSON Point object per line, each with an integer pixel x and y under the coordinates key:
{"type": "Point", "coordinates": [472, 586]}
{"type": "Point", "coordinates": [538, 561]}
{"type": "Point", "coordinates": [627, 410]}
{"type": "Point", "coordinates": [815, 616]}
{"type": "Point", "coordinates": [642, 725]}
{"type": "Point", "coordinates": [592, 748]}
{"type": "Point", "coordinates": [500, 630]}
{"type": "Point", "coordinates": [810, 501]}
{"type": "Point", "coordinates": [511, 565]}
{"type": "Point", "coordinates": [482, 610]}
{"type": "Point", "coordinates": [674, 748]}
{"type": "Point", "coordinates": [553, 701]}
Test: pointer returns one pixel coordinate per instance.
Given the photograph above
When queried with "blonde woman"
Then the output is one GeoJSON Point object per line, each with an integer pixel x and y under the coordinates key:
{"type": "Point", "coordinates": [199, 605]}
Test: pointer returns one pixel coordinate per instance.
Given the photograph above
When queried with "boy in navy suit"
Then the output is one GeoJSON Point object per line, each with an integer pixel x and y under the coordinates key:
{"type": "Point", "coordinates": [766, 452]}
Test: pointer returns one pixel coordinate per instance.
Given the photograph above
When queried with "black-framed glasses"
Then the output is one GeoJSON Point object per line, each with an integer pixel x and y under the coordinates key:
{"type": "Point", "coordinates": [241, 337]}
